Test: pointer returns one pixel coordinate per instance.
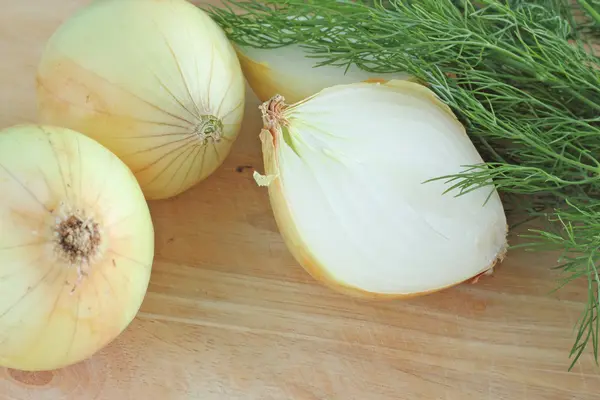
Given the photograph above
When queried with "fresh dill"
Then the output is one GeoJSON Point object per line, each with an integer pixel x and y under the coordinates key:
{"type": "Point", "coordinates": [517, 73]}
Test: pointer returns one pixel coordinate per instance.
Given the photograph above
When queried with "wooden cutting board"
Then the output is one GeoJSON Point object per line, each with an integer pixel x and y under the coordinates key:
{"type": "Point", "coordinates": [230, 315]}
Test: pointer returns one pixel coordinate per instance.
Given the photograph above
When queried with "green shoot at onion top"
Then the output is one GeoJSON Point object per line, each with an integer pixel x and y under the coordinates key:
{"type": "Point", "coordinates": [518, 74]}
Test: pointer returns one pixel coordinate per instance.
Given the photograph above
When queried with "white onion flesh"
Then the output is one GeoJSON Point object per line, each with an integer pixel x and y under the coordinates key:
{"type": "Point", "coordinates": [289, 72]}
{"type": "Point", "coordinates": [346, 171]}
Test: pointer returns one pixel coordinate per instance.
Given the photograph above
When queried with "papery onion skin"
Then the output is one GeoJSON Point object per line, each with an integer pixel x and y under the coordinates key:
{"type": "Point", "coordinates": [59, 308]}
{"type": "Point", "coordinates": [272, 143]}
{"type": "Point", "coordinates": [288, 72]}
{"type": "Point", "coordinates": [155, 81]}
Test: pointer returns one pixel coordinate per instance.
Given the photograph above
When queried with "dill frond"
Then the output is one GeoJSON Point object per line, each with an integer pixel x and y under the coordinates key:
{"type": "Point", "coordinates": [517, 73]}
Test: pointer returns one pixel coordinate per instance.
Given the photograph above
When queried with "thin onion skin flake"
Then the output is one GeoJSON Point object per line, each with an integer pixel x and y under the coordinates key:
{"type": "Point", "coordinates": [351, 174]}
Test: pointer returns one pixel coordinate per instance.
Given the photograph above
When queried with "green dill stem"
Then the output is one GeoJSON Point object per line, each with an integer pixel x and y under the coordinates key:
{"type": "Point", "coordinates": [590, 10]}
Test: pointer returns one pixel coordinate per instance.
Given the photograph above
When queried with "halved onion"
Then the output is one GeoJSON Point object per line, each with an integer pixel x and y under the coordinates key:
{"type": "Point", "coordinates": [289, 72]}
{"type": "Point", "coordinates": [345, 170]}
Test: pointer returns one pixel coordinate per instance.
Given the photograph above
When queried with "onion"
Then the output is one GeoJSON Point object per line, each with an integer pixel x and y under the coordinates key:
{"type": "Point", "coordinates": [289, 72]}
{"type": "Point", "coordinates": [346, 171]}
{"type": "Point", "coordinates": [155, 81]}
{"type": "Point", "coordinates": [76, 247]}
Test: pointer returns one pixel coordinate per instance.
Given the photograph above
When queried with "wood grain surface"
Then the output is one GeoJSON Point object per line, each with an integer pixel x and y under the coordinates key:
{"type": "Point", "coordinates": [230, 315]}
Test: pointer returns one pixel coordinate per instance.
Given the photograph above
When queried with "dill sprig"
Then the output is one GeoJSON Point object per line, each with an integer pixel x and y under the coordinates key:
{"type": "Point", "coordinates": [516, 72]}
{"type": "Point", "coordinates": [589, 11]}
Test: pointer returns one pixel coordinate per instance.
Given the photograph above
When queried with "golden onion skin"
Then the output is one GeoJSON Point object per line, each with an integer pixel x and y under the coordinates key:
{"type": "Point", "coordinates": [60, 189]}
{"type": "Point", "coordinates": [156, 82]}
